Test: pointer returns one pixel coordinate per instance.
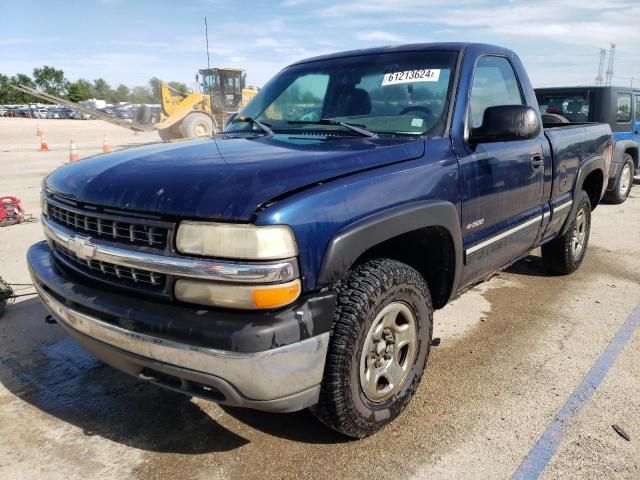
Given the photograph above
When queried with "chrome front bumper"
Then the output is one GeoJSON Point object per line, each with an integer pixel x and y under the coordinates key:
{"type": "Point", "coordinates": [282, 379]}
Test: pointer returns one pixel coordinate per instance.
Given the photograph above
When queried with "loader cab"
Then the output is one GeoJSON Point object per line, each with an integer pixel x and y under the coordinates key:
{"type": "Point", "coordinates": [224, 85]}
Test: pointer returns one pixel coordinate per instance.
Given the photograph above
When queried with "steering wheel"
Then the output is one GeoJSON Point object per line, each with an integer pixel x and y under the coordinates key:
{"type": "Point", "coordinates": [417, 110]}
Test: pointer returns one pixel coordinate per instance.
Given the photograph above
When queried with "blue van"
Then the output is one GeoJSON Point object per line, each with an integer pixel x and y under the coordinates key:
{"type": "Point", "coordinates": [617, 106]}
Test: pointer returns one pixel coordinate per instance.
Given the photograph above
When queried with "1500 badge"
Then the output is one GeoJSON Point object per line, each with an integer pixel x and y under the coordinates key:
{"type": "Point", "coordinates": [475, 224]}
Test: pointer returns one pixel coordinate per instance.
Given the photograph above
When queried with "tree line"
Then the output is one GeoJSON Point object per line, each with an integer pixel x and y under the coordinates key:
{"type": "Point", "coordinates": [52, 81]}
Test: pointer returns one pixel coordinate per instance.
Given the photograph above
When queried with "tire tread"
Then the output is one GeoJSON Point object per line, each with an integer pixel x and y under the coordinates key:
{"type": "Point", "coordinates": [355, 294]}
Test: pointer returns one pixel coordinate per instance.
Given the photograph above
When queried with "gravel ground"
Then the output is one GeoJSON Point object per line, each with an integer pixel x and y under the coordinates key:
{"type": "Point", "coordinates": [513, 350]}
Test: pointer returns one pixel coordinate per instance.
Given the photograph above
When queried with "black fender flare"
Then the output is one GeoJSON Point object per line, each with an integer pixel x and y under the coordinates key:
{"type": "Point", "coordinates": [351, 242]}
{"type": "Point", "coordinates": [621, 146]}
{"type": "Point", "coordinates": [596, 162]}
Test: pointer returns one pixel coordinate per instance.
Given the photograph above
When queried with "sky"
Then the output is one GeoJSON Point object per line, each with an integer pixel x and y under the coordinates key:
{"type": "Point", "coordinates": [130, 41]}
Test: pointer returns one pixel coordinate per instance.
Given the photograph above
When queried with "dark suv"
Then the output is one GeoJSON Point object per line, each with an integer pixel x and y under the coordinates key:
{"type": "Point", "coordinates": [617, 106]}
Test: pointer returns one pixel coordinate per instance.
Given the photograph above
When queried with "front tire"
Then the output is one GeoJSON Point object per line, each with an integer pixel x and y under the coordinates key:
{"type": "Point", "coordinates": [564, 254]}
{"type": "Point", "coordinates": [196, 124]}
{"type": "Point", "coordinates": [624, 182]}
{"type": "Point", "coordinates": [380, 342]}
{"type": "Point", "coordinates": [166, 134]}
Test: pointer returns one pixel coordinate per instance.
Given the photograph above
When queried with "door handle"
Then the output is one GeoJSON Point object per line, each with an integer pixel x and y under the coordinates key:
{"type": "Point", "coordinates": [537, 161]}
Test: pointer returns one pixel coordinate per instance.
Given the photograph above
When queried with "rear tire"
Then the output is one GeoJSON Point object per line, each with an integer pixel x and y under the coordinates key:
{"type": "Point", "coordinates": [564, 254]}
{"type": "Point", "coordinates": [624, 182]}
{"type": "Point", "coordinates": [143, 115]}
{"type": "Point", "coordinates": [196, 124]}
{"type": "Point", "coordinates": [380, 342]}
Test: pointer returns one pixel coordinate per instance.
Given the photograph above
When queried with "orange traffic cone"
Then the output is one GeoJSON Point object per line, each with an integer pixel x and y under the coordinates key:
{"type": "Point", "coordinates": [105, 145]}
{"type": "Point", "coordinates": [43, 144]}
{"type": "Point", "coordinates": [73, 152]}
{"type": "Point", "coordinates": [38, 131]}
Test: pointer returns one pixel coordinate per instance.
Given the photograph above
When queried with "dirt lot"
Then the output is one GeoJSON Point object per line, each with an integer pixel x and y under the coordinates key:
{"type": "Point", "coordinates": [513, 351]}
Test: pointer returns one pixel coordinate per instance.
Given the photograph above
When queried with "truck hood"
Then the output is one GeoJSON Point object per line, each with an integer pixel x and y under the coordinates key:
{"type": "Point", "coordinates": [224, 180]}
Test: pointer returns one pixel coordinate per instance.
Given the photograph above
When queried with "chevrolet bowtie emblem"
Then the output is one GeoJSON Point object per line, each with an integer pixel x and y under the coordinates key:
{"type": "Point", "coordinates": [83, 248]}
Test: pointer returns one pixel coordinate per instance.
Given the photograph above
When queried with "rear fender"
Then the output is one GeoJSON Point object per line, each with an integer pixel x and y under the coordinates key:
{"type": "Point", "coordinates": [589, 165]}
{"type": "Point", "coordinates": [623, 146]}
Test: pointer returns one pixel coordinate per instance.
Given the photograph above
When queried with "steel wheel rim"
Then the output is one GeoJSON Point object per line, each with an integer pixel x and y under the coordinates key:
{"type": "Point", "coordinates": [579, 234]}
{"type": "Point", "coordinates": [388, 352]}
{"type": "Point", "coordinates": [625, 180]}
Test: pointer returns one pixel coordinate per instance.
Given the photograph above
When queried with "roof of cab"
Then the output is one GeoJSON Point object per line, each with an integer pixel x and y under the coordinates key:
{"type": "Point", "coordinates": [411, 47]}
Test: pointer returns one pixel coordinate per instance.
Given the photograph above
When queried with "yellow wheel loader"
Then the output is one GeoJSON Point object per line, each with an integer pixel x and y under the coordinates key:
{"type": "Point", "coordinates": [184, 115]}
{"type": "Point", "coordinates": [200, 114]}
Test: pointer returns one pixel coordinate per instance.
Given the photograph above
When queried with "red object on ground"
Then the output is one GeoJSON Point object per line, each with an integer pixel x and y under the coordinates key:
{"type": "Point", "coordinates": [10, 211]}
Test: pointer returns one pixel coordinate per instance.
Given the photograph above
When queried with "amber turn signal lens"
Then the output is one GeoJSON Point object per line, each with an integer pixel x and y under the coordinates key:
{"type": "Point", "coordinates": [276, 296]}
{"type": "Point", "coordinates": [245, 297]}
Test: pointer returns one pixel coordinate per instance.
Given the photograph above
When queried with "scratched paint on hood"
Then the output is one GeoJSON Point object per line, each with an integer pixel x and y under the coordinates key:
{"type": "Point", "coordinates": [196, 179]}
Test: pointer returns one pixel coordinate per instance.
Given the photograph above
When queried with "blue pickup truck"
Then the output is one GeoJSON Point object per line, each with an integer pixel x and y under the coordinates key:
{"type": "Point", "coordinates": [617, 106]}
{"type": "Point", "coordinates": [295, 260]}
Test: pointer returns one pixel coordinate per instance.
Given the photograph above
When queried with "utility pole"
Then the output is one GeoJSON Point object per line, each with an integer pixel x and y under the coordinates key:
{"type": "Point", "coordinates": [206, 36]}
{"type": "Point", "coordinates": [599, 79]}
{"type": "Point", "coordinates": [609, 73]}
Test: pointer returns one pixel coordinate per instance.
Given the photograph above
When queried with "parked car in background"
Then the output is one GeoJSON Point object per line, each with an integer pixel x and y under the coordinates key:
{"type": "Point", "coordinates": [80, 115]}
{"type": "Point", "coordinates": [617, 106]}
{"type": "Point", "coordinates": [65, 112]}
{"type": "Point", "coordinates": [124, 113]}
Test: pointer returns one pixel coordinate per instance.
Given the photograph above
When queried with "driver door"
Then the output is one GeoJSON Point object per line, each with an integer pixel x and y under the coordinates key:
{"type": "Point", "coordinates": [502, 182]}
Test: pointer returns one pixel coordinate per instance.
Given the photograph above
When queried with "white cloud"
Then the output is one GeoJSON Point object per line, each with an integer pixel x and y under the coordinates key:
{"type": "Point", "coordinates": [378, 36]}
{"type": "Point", "coordinates": [559, 40]}
{"type": "Point", "coordinates": [266, 42]}
{"type": "Point", "coordinates": [294, 3]}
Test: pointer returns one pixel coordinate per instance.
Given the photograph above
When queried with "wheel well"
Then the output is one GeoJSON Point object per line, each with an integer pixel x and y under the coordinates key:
{"type": "Point", "coordinates": [593, 186]}
{"type": "Point", "coordinates": [430, 251]}
{"type": "Point", "coordinates": [634, 154]}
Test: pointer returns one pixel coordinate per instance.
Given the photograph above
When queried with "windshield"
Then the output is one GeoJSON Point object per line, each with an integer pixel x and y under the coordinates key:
{"type": "Point", "coordinates": [574, 106]}
{"type": "Point", "coordinates": [391, 93]}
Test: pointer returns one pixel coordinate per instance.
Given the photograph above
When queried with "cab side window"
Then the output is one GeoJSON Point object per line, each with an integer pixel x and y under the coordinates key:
{"type": "Point", "coordinates": [494, 83]}
{"type": "Point", "coordinates": [623, 114]}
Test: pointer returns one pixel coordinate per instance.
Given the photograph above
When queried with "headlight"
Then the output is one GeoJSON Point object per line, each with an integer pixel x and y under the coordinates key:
{"type": "Point", "coordinates": [237, 296]}
{"type": "Point", "coordinates": [224, 240]}
{"type": "Point", "coordinates": [44, 206]}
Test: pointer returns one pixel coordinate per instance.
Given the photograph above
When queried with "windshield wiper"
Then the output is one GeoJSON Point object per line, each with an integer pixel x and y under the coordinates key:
{"type": "Point", "coordinates": [264, 126]}
{"type": "Point", "coordinates": [330, 121]}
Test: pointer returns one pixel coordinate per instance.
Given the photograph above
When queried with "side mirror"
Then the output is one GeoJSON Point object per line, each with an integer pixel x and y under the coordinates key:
{"type": "Point", "coordinates": [506, 123]}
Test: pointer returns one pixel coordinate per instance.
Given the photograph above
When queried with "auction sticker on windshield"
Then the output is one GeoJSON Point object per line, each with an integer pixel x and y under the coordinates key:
{"type": "Point", "coordinates": [411, 76]}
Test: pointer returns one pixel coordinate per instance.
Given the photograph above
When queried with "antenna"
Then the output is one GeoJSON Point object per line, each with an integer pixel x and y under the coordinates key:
{"type": "Point", "coordinates": [206, 36]}
{"type": "Point", "coordinates": [599, 79]}
{"type": "Point", "coordinates": [609, 73]}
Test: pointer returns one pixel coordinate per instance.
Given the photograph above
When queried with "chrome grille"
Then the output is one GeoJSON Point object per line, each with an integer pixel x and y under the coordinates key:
{"type": "Point", "coordinates": [108, 228]}
{"type": "Point", "coordinates": [114, 273]}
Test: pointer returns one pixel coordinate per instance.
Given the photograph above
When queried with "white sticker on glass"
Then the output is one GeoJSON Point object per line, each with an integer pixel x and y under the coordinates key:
{"type": "Point", "coordinates": [411, 76]}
